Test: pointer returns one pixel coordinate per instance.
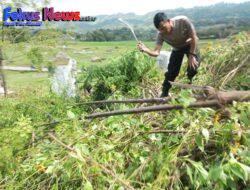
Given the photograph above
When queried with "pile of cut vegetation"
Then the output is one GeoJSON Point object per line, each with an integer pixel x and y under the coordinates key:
{"type": "Point", "coordinates": [123, 74]}
{"type": "Point", "coordinates": [47, 143]}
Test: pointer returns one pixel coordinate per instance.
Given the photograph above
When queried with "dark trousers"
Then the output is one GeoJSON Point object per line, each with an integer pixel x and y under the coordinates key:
{"type": "Point", "coordinates": [174, 68]}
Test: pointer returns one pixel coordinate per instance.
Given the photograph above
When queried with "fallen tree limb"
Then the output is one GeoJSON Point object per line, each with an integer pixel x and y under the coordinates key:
{"type": "Point", "coordinates": [208, 90]}
{"type": "Point", "coordinates": [216, 100]}
{"type": "Point", "coordinates": [150, 100]}
{"type": "Point", "coordinates": [152, 108]}
{"type": "Point", "coordinates": [91, 160]}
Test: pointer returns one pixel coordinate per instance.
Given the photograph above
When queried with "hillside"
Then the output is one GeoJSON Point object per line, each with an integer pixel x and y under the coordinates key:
{"type": "Point", "coordinates": [235, 15]}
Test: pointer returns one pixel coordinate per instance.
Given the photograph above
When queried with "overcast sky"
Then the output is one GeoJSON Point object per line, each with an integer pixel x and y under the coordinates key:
{"type": "Point", "coordinates": [96, 7]}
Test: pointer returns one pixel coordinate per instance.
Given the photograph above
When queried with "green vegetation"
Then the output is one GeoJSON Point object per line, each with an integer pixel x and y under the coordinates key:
{"type": "Point", "coordinates": [202, 149]}
{"type": "Point", "coordinates": [123, 74]}
{"type": "Point", "coordinates": [19, 81]}
{"type": "Point", "coordinates": [35, 57]}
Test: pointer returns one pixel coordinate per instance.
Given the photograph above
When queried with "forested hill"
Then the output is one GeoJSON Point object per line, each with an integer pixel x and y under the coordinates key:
{"type": "Point", "coordinates": [218, 15]}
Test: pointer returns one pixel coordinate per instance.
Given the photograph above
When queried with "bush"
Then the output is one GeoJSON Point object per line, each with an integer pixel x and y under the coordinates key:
{"type": "Point", "coordinates": [123, 74]}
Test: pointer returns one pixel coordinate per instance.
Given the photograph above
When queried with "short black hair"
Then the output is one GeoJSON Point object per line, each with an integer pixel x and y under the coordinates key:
{"type": "Point", "coordinates": [161, 16]}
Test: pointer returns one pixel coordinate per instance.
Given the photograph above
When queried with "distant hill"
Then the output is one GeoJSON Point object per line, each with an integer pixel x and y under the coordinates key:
{"type": "Point", "coordinates": [216, 16]}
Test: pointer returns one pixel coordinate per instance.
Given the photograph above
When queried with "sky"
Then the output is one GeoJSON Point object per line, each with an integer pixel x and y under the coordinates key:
{"type": "Point", "coordinates": [140, 7]}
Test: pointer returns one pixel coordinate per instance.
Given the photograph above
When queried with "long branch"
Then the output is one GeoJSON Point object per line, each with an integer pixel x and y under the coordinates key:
{"type": "Point", "coordinates": [215, 101]}
{"type": "Point", "coordinates": [150, 100]}
{"type": "Point", "coordinates": [152, 109]}
{"type": "Point", "coordinates": [207, 89]}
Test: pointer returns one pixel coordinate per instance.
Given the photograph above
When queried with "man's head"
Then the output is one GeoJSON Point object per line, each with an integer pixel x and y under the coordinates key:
{"type": "Point", "coordinates": [162, 23]}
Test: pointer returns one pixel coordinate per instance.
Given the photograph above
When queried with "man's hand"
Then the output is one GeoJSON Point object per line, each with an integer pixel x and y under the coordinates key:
{"type": "Point", "coordinates": [192, 62]}
{"type": "Point", "coordinates": [141, 47]}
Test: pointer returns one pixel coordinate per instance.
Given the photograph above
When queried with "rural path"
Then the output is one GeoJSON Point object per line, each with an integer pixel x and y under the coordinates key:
{"type": "Point", "coordinates": [18, 68]}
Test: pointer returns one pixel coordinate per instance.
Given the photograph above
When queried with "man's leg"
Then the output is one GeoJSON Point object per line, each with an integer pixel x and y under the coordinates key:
{"type": "Point", "coordinates": [191, 72]}
{"type": "Point", "coordinates": [173, 70]}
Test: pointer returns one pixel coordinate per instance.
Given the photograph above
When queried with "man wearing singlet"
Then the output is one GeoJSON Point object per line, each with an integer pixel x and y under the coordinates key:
{"type": "Point", "coordinates": [178, 32]}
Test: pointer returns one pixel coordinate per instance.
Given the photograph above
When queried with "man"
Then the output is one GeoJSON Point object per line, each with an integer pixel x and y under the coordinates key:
{"type": "Point", "coordinates": [178, 32]}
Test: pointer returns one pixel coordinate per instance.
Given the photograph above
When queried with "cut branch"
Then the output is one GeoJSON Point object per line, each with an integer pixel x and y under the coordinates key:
{"type": "Point", "coordinates": [216, 100]}
{"type": "Point", "coordinates": [207, 89]}
{"type": "Point", "coordinates": [153, 108]}
{"type": "Point", "coordinates": [150, 100]}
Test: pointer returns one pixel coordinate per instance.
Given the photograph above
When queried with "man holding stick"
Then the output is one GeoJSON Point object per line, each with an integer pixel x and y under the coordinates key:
{"type": "Point", "coordinates": [178, 32]}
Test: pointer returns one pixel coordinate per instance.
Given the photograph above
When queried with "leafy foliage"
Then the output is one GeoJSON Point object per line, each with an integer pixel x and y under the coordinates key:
{"type": "Point", "coordinates": [211, 152]}
{"type": "Point", "coordinates": [35, 56]}
{"type": "Point", "coordinates": [228, 64]}
{"type": "Point", "coordinates": [124, 74]}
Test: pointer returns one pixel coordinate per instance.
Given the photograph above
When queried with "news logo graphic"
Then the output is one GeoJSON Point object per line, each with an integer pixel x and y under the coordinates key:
{"type": "Point", "coordinates": [20, 18]}
{"type": "Point", "coordinates": [35, 18]}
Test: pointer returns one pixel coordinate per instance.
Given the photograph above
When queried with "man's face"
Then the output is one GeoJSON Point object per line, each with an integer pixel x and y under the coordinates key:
{"type": "Point", "coordinates": [164, 26]}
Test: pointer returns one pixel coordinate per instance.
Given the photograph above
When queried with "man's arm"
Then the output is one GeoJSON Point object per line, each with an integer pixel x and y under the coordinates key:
{"type": "Point", "coordinates": [193, 41]}
{"type": "Point", "coordinates": [193, 44]}
{"type": "Point", "coordinates": [153, 53]}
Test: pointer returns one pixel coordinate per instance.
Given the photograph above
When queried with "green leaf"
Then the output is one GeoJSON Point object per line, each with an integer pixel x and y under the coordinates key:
{"type": "Point", "coordinates": [245, 118]}
{"type": "Point", "coordinates": [88, 186]}
{"type": "Point", "coordinates": [185, 98]}
{"type": "Point", "coordinates": [216, 173]}
{"type": "Point", "coordinates": [239, 169]}
{"type": "Point", "coordinates": [189, 172]}
{"type": "Point", "coordinates": [246, 169]}
{"type": "Point", "coordinates": [200, 169]}
{"type": "Point", "coordinates": [70, 114]}
{"type": "Point", "coordinates": [205, 133]}
{"type": "Point", "coordinates": [199, 142]}
{"type": "Point", "coordinates": [236, 170]}
{"type": "Point", "coordinates": [55, 187]}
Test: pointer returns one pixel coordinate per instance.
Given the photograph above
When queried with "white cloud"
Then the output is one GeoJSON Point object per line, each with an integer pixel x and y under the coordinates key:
{"type": "Point", "coordinates": [96, 7]}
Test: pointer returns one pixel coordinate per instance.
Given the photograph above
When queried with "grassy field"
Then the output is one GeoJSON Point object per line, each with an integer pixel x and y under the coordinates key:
{"type": "Point", "coordinates": [83, 52]}
{"type": "Point", "coordinates": [21, 80]}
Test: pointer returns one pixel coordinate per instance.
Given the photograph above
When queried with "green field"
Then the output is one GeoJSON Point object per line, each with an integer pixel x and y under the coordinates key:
{"type": "Point", "coordinates": [23, 80]}
{"type": "Point", "coordinates": [82, 52]}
